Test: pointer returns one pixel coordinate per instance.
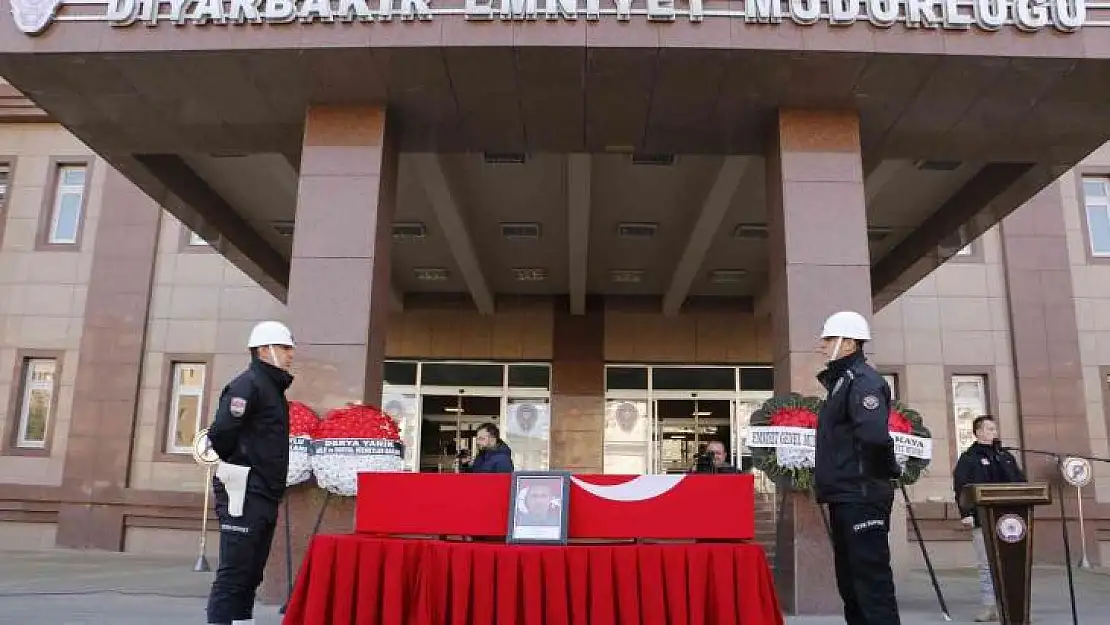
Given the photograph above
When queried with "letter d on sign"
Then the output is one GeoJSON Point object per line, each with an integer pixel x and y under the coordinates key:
{"type": "Point", "coordinates": [122, 12]}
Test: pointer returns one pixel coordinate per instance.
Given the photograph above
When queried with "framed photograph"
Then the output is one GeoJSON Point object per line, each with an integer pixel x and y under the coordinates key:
{"type": "Point", "coordinates": [538, 507]}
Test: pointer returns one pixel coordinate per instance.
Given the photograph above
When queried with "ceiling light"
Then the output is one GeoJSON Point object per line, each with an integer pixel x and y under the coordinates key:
{"type": "Point", "coordinates": [925, 165]}
{"type": "Point", "coordinates": [283, 227]}
{"type": "Point", "coordinates": [505, 158]}
{"type": "Point", "coordinates": [626, 276]}
{"type": "Point", "coordinates": [408, 232]}
{"type": "Point", "coordinates": [636, 231]}
{"type": "Point", "coordinates": [727, 276]}
{"type": "Point", "coordinates": [520, 231]}
{"type": "Point", "coordinates": [652, 159]}
{"type": "Point", "coordinates": [750, 231]}
{"type": "Point", "coordinates": [431, 274]}
{"type": "Point", "coordinates": [529, 274]}
{"type": "Point", "coordinates": [878, 233]}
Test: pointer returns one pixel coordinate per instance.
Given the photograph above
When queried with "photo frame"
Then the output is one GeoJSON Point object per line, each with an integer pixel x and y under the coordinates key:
{"type": "Point", "coordinates": [539, 505]}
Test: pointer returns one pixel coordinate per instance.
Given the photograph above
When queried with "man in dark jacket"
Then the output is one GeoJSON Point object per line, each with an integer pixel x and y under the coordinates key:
{"type": "Point", "coordinates": [854, 466]}
{"type": "Point", "coordinates": [250, 433]}
{"type": "Point", "coordinates": [494, 456]}
{"type": "Point", "coordinates": [984, 462]}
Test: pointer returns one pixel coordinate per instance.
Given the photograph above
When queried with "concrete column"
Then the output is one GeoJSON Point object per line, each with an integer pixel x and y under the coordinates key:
{"type": "Point", "coordinates": [1048, 363]}
{"type": "Point", "coordinates": [338, 289]}
{"type": "Point", "coordinates": [819, 264]}
{"type": "Point", "coordinates": [578, 389]}
{"type": "Point", "coordinates": [102, 422]}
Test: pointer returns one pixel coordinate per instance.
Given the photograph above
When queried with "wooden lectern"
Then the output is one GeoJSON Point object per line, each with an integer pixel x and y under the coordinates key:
{"type": "Point", "coordinates": [1005, 513]}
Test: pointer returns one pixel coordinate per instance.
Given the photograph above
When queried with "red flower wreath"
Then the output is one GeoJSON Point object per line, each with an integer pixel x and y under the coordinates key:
{"type": "Point", "coordinates": [794, 418]}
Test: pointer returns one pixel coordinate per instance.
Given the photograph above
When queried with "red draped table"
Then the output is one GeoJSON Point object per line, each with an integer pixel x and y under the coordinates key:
{"type": "Point", "coordinates": [364, 580]}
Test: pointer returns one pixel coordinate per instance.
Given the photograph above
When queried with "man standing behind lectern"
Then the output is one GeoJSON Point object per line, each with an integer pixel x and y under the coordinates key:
{"type": "Point", "coordinates": [854, 466]}
{"type": "Point", "coordinates": [984, 462]}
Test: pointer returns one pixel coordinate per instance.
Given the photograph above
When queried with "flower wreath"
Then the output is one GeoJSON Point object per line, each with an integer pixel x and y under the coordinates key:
{"type": "Point", "coordinates": [907, 421]}
{"type": "Point", "coordinates": [783, 431]}
{"type": "Point", "coordinates": [788, 465]}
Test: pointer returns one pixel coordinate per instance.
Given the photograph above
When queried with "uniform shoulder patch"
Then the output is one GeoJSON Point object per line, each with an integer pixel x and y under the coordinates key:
{"type": "Point", "coordinates": [870, 402]}
{"type": "Point", "coordinates": [237, 406]}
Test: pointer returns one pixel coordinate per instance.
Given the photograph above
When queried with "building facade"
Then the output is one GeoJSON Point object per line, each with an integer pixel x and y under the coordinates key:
{"type": "Point", "coordinates": [947, 346]}
{"type": "Point", "coordinates": [613, 226]}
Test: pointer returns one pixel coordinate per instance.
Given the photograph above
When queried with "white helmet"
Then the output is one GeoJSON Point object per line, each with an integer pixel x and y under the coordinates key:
{"type": "Point", "coordinates": [847, 325]}
{"type": "Point", "coordinates": [270, 333]}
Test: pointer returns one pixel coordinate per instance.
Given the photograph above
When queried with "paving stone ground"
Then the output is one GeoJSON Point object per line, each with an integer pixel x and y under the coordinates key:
{"type": "Point", "coordinates": [96, 588]}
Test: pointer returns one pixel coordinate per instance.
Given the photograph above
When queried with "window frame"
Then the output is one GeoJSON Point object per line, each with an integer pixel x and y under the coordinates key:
{"type": "Point", "coordinates": [6, 201]}
{"type": "Point", "coordinates": [898, 375]}
{"type": "Point", "coordinates": [52, 193]}
{"type": "Point", "coordinates": [13, 444]}
{"type": "Point", "coordinates": [972, 252]}
{"type": "Point", "coordinates": [1082, 177]}
{"type": "Point", "coordinates": [186, 245]}
{"type": "Point", "coordinates": [164, 451]}
{"type": "Point", "coordinates": [990, 401]}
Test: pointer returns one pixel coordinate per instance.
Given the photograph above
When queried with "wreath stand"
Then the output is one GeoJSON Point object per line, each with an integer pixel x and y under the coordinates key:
{"type": "Point", "coordinates": [289, 543]}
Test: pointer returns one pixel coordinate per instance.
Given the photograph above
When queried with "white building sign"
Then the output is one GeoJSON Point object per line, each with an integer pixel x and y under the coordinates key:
{"type": "Point", "coordinates": [34, 16]}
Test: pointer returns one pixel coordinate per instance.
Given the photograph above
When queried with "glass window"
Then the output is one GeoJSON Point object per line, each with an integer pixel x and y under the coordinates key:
{"type": "Point", "coordinates": [529, 376]}
{"type": "Point", "coordinates": [69, 195]}
{"type": "Point", "coordinates": [892, 382]}
{"type": "Point", "coordinates": [399, 373]}
{"type": "Point", "coordinates": [35, 402]}
{"type": "Point", "coordinates": [1098, 215]}
{"type": "Point", "coordinates": [461, 375]}
{"type": "Point", "coordinates": [187, 398]}
{"type": "Point", "coordinates": [693, 378]}
{"type": "Point", "coordinates": [626, 378]}
{"type": "Point", "coordinates": [196, 239]}
{"type": "Point", "coordinates": [5, 182]}
{"type": "Point", "coordinates": [757, 379]}
{"type": "Point", "coordinates": [969, 400]}
{"type": "Point", "coordinates": [527, 431]}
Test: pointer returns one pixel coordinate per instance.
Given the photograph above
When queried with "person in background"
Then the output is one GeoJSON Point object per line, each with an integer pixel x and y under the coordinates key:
{"type": "Point", "coordinates": [984, 462]}
{"type": "Point", "coordinates": [714, 460]}
{"type": "Point", "coordinates": [853, 471]}
{"type": "Point", "coordinates": [494, 456]}
{"type": "Point", "coordinates": [250, 433]}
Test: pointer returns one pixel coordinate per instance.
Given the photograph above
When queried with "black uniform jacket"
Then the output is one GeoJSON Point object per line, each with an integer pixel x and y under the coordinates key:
{"type": "Point", "coordinates": [855, 454]}
{"type": "Point", "coordinates": [251, 427]}
{"type": "Point", "coordinates": [983, 464]}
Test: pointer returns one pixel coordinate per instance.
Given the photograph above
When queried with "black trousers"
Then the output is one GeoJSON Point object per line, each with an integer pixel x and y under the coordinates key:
{"type": "Point", "coordinates": [862, 554]}
{"type": "Point", "coordinates": [244, 549]}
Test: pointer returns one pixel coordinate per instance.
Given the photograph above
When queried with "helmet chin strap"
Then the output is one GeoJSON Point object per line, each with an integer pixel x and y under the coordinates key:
{"type": "Point", "coordinates": [836, 349]}
{"type": "Point", "coordinates": [273, 356]}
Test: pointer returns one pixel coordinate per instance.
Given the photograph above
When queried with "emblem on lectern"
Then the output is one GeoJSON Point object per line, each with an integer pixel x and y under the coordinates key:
{"type": "Point", "coordinates": [1010, 528]}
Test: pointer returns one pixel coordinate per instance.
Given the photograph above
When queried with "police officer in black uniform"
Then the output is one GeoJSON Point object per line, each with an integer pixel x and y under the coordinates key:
{"type": "Point", "coordinates": [854, 469]}
{"type": "Point", "coordinates": [251, 435]}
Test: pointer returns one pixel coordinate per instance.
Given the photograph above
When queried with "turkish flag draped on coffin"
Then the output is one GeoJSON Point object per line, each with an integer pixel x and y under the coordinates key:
{"type": "Point", "coordinates": [717, 507]}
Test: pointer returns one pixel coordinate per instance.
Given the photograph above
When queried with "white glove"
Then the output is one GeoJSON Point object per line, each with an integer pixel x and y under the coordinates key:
{"type": "Point", "coordinates": [234, 479]}
{"type": "Point", "coordinates": [968, 521]}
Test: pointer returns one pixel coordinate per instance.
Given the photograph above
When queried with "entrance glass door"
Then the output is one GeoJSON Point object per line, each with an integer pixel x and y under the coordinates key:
{"type": "Point", "coordinates": [749, 402]}
{"type": "Point", "coordinates": [627, 446]}
{"type": "Point", "coordinates": [683, 427]}
{"type": "Point", "coordinates": [449, 424]}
